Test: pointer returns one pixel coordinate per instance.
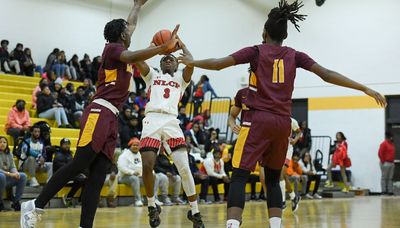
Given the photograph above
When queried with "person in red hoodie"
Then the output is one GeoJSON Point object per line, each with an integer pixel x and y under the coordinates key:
{"type": "Point", "coordinates": [386, 156]}
{"type": "Point", "coordinates": [18, 121]}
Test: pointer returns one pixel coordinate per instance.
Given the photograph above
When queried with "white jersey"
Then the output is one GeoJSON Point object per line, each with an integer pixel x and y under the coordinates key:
{"type": "Point", "coordinates": [165, 92]}
{"type": "Point", "coordinates": [295, 127]}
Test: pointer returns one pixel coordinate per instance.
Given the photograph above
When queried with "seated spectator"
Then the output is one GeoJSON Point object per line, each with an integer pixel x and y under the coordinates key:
{"type": "Point", "coordinates": [183, 119]}
{"type": "Point", "coordinates": [112, 183]}
{"type": "Point", "coordinates": [51, 60]}
{"type": "Point", "coordinates": [75, 68]}
{"type": "Point", "coordinates": [214, 168]}
{"type": "Point", "coordinates": [35, 153]}
{"type": "Point", "coordinates": [141, 116]}
{"type": "Point", "coordinates": [197, 137]}
{"type": "Point", "coordinates": [89, 87]}
{"type": "Point", "coordinates": [310, 175]}
{"type": "Point", "coordinates": [68, 100]}
{"type": "Point", "coordinates": [201, 88]}
{"type": "Point", "coordinates": [80, 102]}
{"type": "Point", "coordinates": [60, 66]}
{"type": "Point", "coordinates": [37, 90]}
{"type": "Point", "coordinates": [86, 65]}
{"type": "Point", "coordinates": [130, 169]}
{"type": "Point", "coordinates": [28, 65]}
{"type": "Point", "coordinates": [49, 108]}
{"type": "Point", "coordinates": [18, 55]}
{"type": "Point", "coordinates": [212, 141]}
{"type": "Point", "coordinates": [62, 157]}
{"type": "Point", "coordinates": [5, 62]}
{"type": "Point", "coordinates": [199, 178]}
{"type": "Point", "coordinates": [9, 175]}
{"type": "Point", "coordinates": [141, 100]}
{"type": "Point", "coordinates": [129, 131]}
{"type": "Point", "coordinates": [95, 68]}
{"type": "Point", "coordinates": [18, 121]}
{"type": "Point", "coordinates": [167, 175]}
{"type": "Point", "coordinates": [295, 174]}
{"type": "Point", "coordinates": [56, 85]}
{"type": "Point", "coordinates": [130, 102]}
{"type": "Point", "coordinates": [124, 117]}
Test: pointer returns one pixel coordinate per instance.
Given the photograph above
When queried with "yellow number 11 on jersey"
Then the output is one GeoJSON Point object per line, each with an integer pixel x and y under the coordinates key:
{"type": "Point", "coordinates": [278, 75]}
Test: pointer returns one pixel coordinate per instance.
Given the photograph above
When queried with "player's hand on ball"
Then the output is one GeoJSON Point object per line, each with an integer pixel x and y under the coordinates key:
{"type": "Point", "coordinates": [381, 100]}
{"type": "Point", "coordinates": [172, 44]}
{"type": "Point", "coordinates": [185, 59]}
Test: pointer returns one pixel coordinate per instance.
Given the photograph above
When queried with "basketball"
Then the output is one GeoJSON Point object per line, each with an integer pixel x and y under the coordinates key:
{"type": "Point", "coordinates": [161, 37]}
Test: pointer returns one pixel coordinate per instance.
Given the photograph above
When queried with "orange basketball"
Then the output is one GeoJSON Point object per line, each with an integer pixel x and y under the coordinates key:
{"type": "Point", "coordinates": [161, 37]}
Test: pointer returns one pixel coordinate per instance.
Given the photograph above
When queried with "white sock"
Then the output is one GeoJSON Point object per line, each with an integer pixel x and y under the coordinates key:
{"type": "Point", "coordinates": [232, 223]}
{"type": "Point", "coordinates": [151, 201]}
{"type": "Point", "coordinates": [292, 195]}
{"type": "Point", "coordinates": [282, 183]}
{"type": "Point", "coordinates": [275, 222]}
{"type": "Point", "coordinates": [194, 207]}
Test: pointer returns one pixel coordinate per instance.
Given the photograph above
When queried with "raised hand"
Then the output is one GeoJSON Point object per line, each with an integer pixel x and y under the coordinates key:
{"type": "Point", "coordinates": [185, 59]}
{"type": "Point", "coordinates": [379, 98]}
{"type": "Point", "coordinates": [140, 2]}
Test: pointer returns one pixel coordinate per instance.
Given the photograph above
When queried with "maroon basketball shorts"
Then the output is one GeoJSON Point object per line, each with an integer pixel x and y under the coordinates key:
{"type": "Point", "coordinates": [99, 126]}
{"type": "Point", "coordinates": [264, 138]}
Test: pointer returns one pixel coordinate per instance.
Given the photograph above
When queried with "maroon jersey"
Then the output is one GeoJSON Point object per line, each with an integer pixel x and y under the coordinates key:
{"type": "Point", "coordinates": [114, 76]}
{"type": "Point", "coordinates": [240, 102]}
{"type": "Point", "coordinates": [273, 70]}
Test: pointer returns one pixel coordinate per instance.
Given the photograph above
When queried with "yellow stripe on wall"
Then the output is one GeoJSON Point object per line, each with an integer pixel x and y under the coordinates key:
{"type": "Point", "coordinates": [349, 102]}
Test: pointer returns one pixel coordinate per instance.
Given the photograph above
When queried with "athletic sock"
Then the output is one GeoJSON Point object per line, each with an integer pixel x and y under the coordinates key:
{"type": "Point", "coordinates": [292, 195]}
{"type": "Point", "coordinates": [275, 222]}
{"type": "Point", "coordinates": [232, 223]}
{"type": "Point", "coordinates": [282, 183]}
{"type": "Point", "coordinates": [194, 207]}
{"type": "Point", "coordinates": [151, 201]}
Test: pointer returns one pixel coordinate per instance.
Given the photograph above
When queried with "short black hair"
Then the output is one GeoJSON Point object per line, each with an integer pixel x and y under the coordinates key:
{"type": "Point", "coordinates": [276, 25]}
{"type": "Point", "coordinates": [19, 45]}
{"type": "Point", "coordinates": [342, 135]}
{"type": "Point", "coordinates": [388, 135]}
{"type": "Point", "coordinates": [113, 30]}
{"type": "Point", "coordinates": [5, 42]}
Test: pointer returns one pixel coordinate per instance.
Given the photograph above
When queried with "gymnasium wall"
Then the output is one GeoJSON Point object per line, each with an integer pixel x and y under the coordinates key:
{"type": "Point", "coordinates": [358, 38]}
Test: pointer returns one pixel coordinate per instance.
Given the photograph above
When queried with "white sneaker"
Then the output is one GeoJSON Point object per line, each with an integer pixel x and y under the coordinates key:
{"type": "Point", "coordinates": [316, 196]}
{"type": "Point", "coordinates": [139, 203]}
{"type": "Point", "coordinates": [30, 215]}
{"type": "Point", "coordinates": [309, 196]}
{"type": "Point", "coordinates": [158, 202]}
{"type": "Point", "coordinates": [33, 182]}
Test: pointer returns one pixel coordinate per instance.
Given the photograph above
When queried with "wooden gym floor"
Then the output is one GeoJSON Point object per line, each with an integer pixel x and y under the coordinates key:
{"type": "Point", "coordinates": [359, 212]}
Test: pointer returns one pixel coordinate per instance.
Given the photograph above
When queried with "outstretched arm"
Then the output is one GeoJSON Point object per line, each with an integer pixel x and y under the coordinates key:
{"type": "Point", "coordinates": [144, 54]}
{"type": "Point", "coordinates": [143, 68]}
{"type": "Point", "coordinates": [209, 64]}
{"type": "Point", "coordinates": [188, 70]}
{"type": "Point", "coordinates": [340, 80]}
{"type": "Point", "coordinates": [133, 15]}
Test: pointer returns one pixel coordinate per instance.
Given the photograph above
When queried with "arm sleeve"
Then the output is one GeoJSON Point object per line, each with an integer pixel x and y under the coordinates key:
{"type": "Point", "coordinates": [122, 165]}
{"type": "Point", "coordinates": [208, 165]}
{"type": "Point", "coordinates": [304, 61]}
{"type": "Point", "coordinates": [245, 55]}
{"type": "Point", "coordinates": [223, 169]}
{"type": "Point", "coordinates": [13, 169]}
{"type": "Point", "coordinates": [12, 122]}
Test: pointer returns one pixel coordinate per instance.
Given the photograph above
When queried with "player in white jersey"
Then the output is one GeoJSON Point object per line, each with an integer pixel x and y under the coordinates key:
{"type": "Point", "coordinates": [284, 182]}
{"type": "Point", "coordinates": [161, 128]}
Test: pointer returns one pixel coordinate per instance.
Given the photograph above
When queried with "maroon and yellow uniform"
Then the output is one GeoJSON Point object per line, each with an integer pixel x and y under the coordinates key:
{"type": "Point", "coordinates": [269, 98]}
{"type": "Point", "coordinates": [99, 124]}
{"type": "Point", "coordinates": [240, 102]}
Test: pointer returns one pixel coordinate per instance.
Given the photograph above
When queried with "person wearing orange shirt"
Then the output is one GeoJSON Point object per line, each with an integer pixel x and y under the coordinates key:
{"type": "Point", "coordinates": [295, 172]}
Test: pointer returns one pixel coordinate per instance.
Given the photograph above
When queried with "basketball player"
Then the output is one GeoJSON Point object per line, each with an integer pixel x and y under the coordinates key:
{"type": "Point", "coordinates": [284, 180]}
{"type": "Point", "coordinates": [269, 99]}
{"type": "Point", "coordinates": [161, 128]}
{"type": "Point", "coordinates": [98, 133]}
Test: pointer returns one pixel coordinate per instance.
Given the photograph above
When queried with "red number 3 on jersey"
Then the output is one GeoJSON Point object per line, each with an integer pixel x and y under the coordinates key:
{"type": "Point", "coordinates": [166, 93]}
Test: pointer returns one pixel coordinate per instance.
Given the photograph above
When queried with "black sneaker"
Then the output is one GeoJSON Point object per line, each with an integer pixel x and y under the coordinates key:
{"type": "Point", "coordinates": [154, 216]}
{"type": "Point", "coordinates": [295, 203]}
{"type": "Point", "coordinates": [16, 205]}
{"type": "Point", "coordinates": [196, 219]}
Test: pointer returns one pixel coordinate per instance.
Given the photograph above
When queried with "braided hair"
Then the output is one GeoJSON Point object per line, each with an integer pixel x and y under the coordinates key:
{"type": "Point", "coordinates": [276, 25]}
{"type": "Point", "coordinates": [113, 30]}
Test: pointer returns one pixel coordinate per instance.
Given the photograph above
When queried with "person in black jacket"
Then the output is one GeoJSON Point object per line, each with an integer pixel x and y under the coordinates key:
{"type": "Point", "coordinates": [304, 144]}
{"type": "Point", "coordinates": [129, 131]}
{"type": "Point", "coordinates": [183, 119]}
{"type": "Point", "coordinates": [167, 174]}
{"type": "Point", "coordinates": [5, 62]}
{"type": "Point", "coordinates": [49, 108]}
{"type": "Point", "coordinates": [62, 157]}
